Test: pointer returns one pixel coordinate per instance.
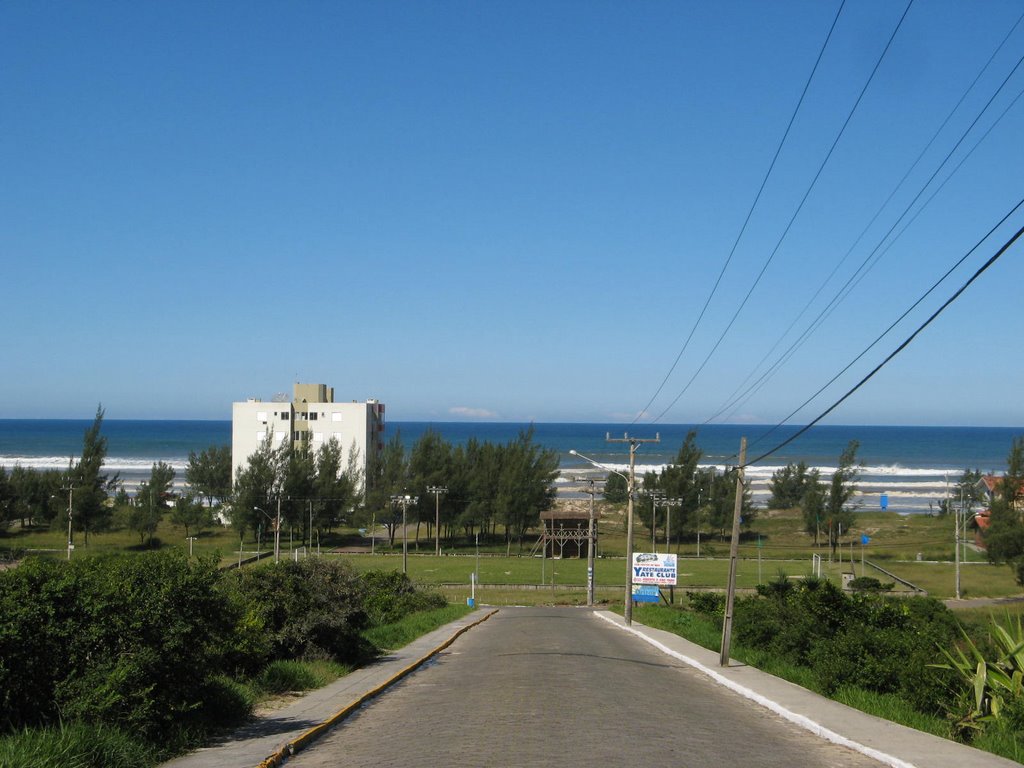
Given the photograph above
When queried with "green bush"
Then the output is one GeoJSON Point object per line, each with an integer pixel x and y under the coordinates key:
{"type": "Point", "coordinates": [284, 676]}
{"type": "Point", "coordinates": [874, 643]}
{"type": "Point", "coordinates": [870, 584]}
{"type": "Point", "coordinates": [707, 603]}
{"type": "Point", "coordinates": [311, 609]}
{"type": "Point", "coordinates": [125, 640]}
{"type": "Point", "coordinates": [390, 596]}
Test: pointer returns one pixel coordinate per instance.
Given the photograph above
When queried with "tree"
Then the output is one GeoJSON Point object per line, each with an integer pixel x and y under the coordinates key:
{"type": "Point", "coordinates": [255, 485]}
{"type": "Point", "coordinates": [526, 474]}
{"type": "Point", "coordinates": [616, 489]}
{"type": "Point", "coordinates": [91, 485]}
{"type": "Point", "coordinates": [685, 481]}
{"type": "Point", "coordinates": [209, 472]}
{"type": "Point", "coordinates": [838, 511]}
{"type": "Point", "coordinates": [390, 477]}
{"type": "Point", "coordinates": [144, 515]}
{"type": "Point", "coordinates": [1004, 538]}
{"type": "Point", "coordinates": [721, 502]}
{"type": "Point", "coordinates": [430, 465]}
{"type": "Point", "coordinates": [788, 486]}
{"type": "Point", "coordinates": [298, 484]}
{"type": "Point", "coordinates": [336, 488]}
{"type": "Point", "coordinates": [812, 503]}
{"type": "Point", "coordinates": [191, 514]}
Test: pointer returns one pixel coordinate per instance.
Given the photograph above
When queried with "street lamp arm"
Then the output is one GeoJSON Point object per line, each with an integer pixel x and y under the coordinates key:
{"type": "Point", "coordinates": [599, 465]}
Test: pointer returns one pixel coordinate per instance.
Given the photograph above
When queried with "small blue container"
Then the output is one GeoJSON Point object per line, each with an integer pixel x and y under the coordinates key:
{"type": "Point", "coordinates": [471, 602]}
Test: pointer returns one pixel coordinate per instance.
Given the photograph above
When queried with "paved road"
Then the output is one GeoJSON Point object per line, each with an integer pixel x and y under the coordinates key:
{"type": "Point", "coordinates": [560, 687]}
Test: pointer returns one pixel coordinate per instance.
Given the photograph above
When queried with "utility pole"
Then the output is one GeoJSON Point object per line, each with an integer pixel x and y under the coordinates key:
{"type": "Point", "coordinates": [730, 594]}
{"type": "Point", "coordinates": [437, 490]}
{"type": "Point", "coordinates": [277, 532]}
{"type": "Point", "coordinates": [668, 504]}
{"type": "Point", "coordinates": [591, 542]}
{"type": "Point", "coordinates": [71, 495]}
{"type": "Point", "coordinates": [405, 500]}
{"type": "Point", "coordinates": [634, 443]}
{"type": "Point", "coordinates": [656, 496]}
{"type": "Point", "coordinates": [956, 540]}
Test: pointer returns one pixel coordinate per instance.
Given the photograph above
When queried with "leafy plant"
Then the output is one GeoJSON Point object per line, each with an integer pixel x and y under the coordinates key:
{"type": "Point", "coordinates": [990, 690]}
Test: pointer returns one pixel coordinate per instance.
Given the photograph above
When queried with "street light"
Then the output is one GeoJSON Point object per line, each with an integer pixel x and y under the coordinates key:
{"type": "Point", "coordinates": [437, 490]}
{"type": "Point", "coordinates": [259, 529]}
{"type": "Point", "coordinates": [405, 500]}
{"type": "Point", "coordinates": [628, 610]}
{"type": "Point", "coordinates": [592, 537]}
{"type": "Point", "coordinates": [656, 496]}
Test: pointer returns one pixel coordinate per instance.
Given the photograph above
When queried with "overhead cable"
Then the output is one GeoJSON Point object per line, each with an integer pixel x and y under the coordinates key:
{"type": "Point", "coordinates": [753, 205]}
{"type": "Point", "coordinates": [792, 219]}
{"type": "Point", "coordinates": [978, 273]}
{"type": "Point", "coordinates": [735, 399]}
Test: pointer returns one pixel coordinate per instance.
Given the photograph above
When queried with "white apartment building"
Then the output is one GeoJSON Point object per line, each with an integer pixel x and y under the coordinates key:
{"type": "Point", "coordinates": [312, 418]}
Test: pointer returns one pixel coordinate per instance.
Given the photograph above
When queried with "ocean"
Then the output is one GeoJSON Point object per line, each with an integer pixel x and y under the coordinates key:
{"type": "Point", "coordinates": [912, 466]}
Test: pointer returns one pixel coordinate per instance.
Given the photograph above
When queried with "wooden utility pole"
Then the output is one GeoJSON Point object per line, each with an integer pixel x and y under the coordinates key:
{"type": "Point", "coordinates": [634, 443]}
{"type": "Point", "coordinates": [730, 594]}
{"type": "Point", "coordinates": [437, 490]}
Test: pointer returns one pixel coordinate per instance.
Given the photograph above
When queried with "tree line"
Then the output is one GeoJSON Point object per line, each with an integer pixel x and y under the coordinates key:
{"type": "Point", "coordinates": [97, 501]}
{"type": "Point", "coordinates": [496, 490]}
{"type": "Point", "coordinates": [684, 497]}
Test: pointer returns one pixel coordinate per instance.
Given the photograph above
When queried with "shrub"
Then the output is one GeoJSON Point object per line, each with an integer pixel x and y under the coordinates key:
{"type": "Point", "coordinates": [312, 609]}
{"type": "Point", "coordinates": [123, 640]}
{"type": "Point", "coordinates": [390, 596]}
{"type": "Point", "coordinates": [870, 584]}
{"type": "Point", "coordinates": [285, 676]}
{"type": "Point", "coordinates": [863, 640]}
{"type": "Point", "coordinates": [707, 603]}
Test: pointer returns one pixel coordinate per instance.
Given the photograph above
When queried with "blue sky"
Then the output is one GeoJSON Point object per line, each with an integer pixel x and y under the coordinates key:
{"type": "Point", "coordinates": [502, 210]}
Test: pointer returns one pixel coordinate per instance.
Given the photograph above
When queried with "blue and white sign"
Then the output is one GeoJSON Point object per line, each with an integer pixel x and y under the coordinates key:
{"type": "Point", "coordinates": [652, 568]}
{"type": "Point", "coordinates": [644, 593]}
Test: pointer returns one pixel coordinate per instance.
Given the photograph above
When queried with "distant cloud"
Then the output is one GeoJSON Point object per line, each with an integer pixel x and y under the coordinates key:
{"type": "Point", "coordinates": [472, 413]}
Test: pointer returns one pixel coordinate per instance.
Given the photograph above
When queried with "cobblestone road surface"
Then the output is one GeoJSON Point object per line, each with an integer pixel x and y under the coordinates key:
{"type": "Point", "coordinates": [560, 687]}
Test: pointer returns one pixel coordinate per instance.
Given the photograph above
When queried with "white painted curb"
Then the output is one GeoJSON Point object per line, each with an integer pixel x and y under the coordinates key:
{"type": "Point", "coordinates": [797, 719]}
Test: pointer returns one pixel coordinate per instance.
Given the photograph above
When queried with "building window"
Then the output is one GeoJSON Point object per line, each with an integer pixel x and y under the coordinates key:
{"type": "Point", "coordinates": [261, 415]}
{"type": "Point", "coordinates": [312, 416]}
{"type": "Point", "coordinates": [284, 416]}
{"type": "Point", "coordinates": [318, 437]}
{"type": "Point", "coordinates": [335, 416]}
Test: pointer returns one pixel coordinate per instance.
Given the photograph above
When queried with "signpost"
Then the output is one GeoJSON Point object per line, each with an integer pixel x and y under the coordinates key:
{"type": "Point", "coordinates": [651, 571]}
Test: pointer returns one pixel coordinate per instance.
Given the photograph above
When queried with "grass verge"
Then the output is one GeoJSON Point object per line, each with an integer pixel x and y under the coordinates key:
{"type": "Point", "coordinates": [707, 634]}
{"type": "Point", "coordinates": [74, 746]}
{"type": "Point", "coordinates": [388, 637]}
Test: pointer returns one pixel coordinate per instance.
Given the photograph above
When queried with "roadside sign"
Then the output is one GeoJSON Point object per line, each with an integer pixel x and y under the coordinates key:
{"type": "Point", "coordinates": [646, 593]}
{"type": "Point", "coordinates": [864, 539]}
{"type": "Point", "coordinates": [652, 568]}
{"type": "Point", "coordinates": [885, 501]}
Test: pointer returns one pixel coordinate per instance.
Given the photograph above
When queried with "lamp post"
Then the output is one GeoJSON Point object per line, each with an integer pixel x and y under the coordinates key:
{"type": "Point", "coordinates": [259, 529]}
{"type": "Point", "coordinates": [656, 496]}
{"type": "Point", "coordinates": [668, 504]}
{"type": "Point", "coordinates": [71, 494]}
{"type": "Point", "coordinates": [437, 490]}
{"type": "Point", "coordinates": [405, 500]}
{"type": "Point", "coordinates": [631, 490]}
{"type": "Point", "coordinates": [591, 541]}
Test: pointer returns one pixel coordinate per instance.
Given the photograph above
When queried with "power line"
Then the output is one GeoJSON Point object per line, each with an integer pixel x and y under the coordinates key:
{"type": "Point", "coordinates": [981, 270]}
{"type": "Point", "coordinates": [746, 221]}
{"type": "Point", "coordinates": [735, 399]}
{"type": "Point", "coordinates": [895, 322]}
{"type": "Point", "coordinates": [851, 283]}
{"type": "Point", "coordinates": [796, 213]}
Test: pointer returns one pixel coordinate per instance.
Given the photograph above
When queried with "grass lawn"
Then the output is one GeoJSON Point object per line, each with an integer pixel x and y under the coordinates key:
{"type": "Point", "coordinates": [775, 544]}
